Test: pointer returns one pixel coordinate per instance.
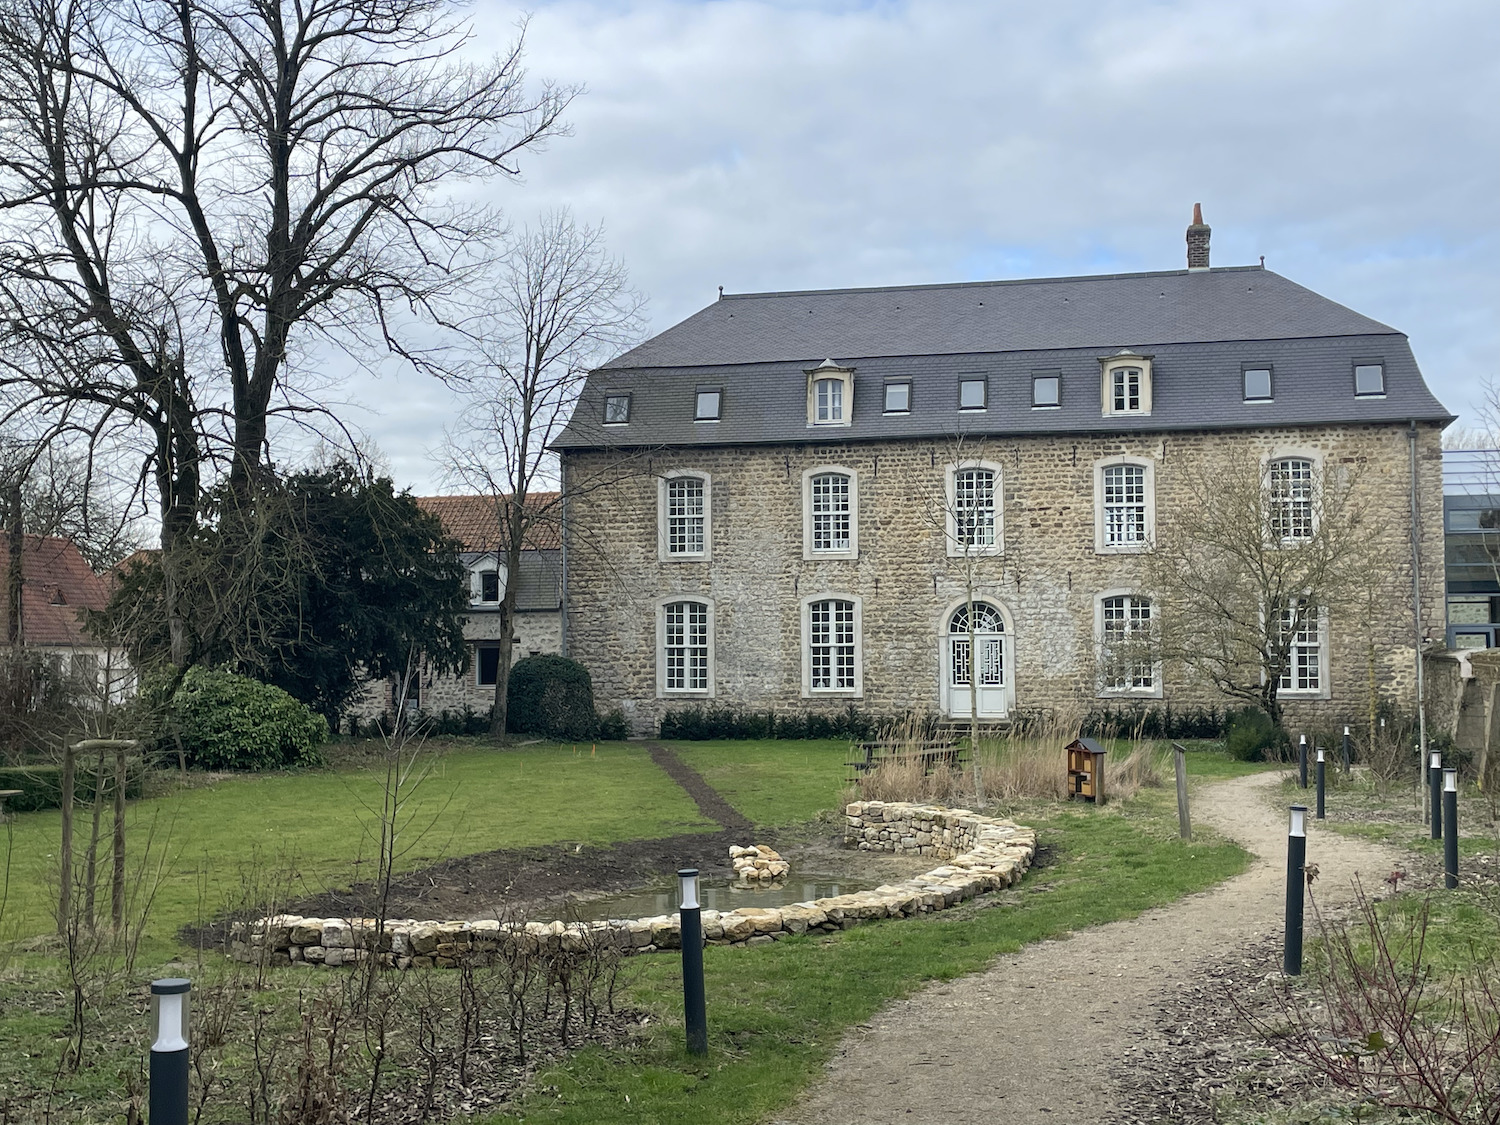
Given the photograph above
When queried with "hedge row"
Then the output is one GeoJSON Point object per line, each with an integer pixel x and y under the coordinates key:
{"type": "Point", "coordinates": [41, 786]}
{"type": "Point", "coordinates": [728, 721]}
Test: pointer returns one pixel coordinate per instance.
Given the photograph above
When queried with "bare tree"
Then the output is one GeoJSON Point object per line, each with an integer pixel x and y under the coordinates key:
{"type": "Point", "coordinates": [195, 193]}
{"type": "Point", "coordinates": [1246, 564]}
{"type": "Point", "coordinates": [558, 305]}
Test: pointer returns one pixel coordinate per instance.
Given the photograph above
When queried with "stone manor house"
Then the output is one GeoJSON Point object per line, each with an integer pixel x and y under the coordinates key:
{"type": "Point", "coordinates": [777, 547]}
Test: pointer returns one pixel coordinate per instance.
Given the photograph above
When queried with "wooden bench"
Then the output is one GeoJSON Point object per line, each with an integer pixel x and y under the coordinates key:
{"type": "Point", "coordinates": [931, 753]}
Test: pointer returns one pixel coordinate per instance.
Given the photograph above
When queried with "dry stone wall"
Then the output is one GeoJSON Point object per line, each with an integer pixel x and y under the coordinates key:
{"type": "Point", "coordinates": [983, 854]}
{"type": "Point", "coordinates": [1045, 581]}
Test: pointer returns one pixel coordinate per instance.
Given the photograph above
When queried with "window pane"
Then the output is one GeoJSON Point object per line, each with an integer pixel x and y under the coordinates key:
{"type": "Point", "coordinates": [1291, 499]}
{"type": "Point", "coordinates": [617, 409]}
{"type": "Point", "coordinates": [1046, 390]}
{"type": "Point", "coordinates": [1369, 379]}
{"type": "Point", "coordinates": [1299, 631]}
{"type": "Point", "coordinates": [897, 397]}
{"type": "Point", "coordinates": [974, 507]}
{"type": "Point", "coordinates": [971, 394]}
{"type": "Point", "coordinates": [685, 646]}
{"type": "Point", "coordinates": [489, 586]}
{"type": "Point", "coordinates": [1128, 656]}
{"type": "Point", "coordinates": [1125, 389]}
{"type": "Point", "coordinates": [831, 512]}
{"type": "Point", "coordinates": [1124, 505]}
{"type": "Point", "coordinates": [489, 666]}
{"type": "Point", "coordinates": [829, 396]}
{"type": "Point", "coordinates": [685, 516]}
{"type": "Point", "coordinates": [1258, 382]}
{"type": "Point", "coordinates": [708, 406]}
{"type": "Point", "coordinates": [831, 644]}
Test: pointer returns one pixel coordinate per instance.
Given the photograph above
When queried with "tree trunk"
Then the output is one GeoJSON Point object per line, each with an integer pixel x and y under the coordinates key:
{"type": "Point", "coordinates": [502, 663]}
{"type": "Point", "coordinates": [15, 577]}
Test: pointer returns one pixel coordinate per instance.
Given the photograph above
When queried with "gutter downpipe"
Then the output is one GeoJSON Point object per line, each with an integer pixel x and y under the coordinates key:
{"type": "Point", "coordinates": [1416, 607]}
{"type": "Point", "coordinates": [562, 613]}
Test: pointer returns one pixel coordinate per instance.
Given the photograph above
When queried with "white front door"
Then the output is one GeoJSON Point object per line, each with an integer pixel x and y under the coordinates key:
{"type": "Point", "coordinates": [958, 667]}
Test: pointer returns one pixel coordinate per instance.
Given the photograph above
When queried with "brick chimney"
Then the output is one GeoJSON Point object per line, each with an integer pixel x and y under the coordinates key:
{"type": "Point", "coordinates": [1197, 240]}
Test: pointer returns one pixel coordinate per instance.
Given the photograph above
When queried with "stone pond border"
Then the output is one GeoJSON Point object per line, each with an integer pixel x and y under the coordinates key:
{"type": "Point", "coordinates": [982, 854]}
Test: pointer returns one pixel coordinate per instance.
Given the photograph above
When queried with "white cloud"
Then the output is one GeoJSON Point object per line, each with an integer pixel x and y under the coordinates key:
{"type": "Point", "coordinates": [766, 145]}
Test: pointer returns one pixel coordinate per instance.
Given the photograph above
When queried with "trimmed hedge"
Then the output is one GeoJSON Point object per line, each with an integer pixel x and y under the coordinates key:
{"type": "Point", "coordinates": [551, 696]}
{"type": "Point", "coordinates": [41, 786]}
{"type": "Point", "coordinates": [1155, 722]}
{"type": "Point", "coordinates": [700, 722]}
{"type": "Point", "coordinates": [230, 722]}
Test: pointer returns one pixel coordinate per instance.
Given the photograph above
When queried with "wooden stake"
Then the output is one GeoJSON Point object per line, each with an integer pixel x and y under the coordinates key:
{"type": "Point", "coordinates": [117, 883]}
{"type": "Point", "coordinates": [1179, 767]}
{"type": "Point", "coordinates": [65, 853]}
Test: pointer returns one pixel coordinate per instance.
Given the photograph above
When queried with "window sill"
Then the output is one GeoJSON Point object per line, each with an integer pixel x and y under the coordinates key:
{"type": "Point", "coordinates": [1370, 394]}
{"type": "Point", "coordinates": [685, 693]}
{"type": "Point", "coordinates": [704, 557]}
{"type": "Point", "coordinates": [832, 693]}
{"type": "Point", "coordinates": [1046, 406]}
{"type": "Point", "coordinates": [1128, 693]}
{"type": "Point", "coordinates": [973, 409]}
{"type": "Point", "coordinates": [696, 420]}
{"type": "Point", "coordinates": [614, 425]}
{"type": "Point", "coordinates": [896, 412]}
{"type": "Point", "coordinates": [1258, 401]}
{"type": "Point", "coordinates": [809, 555]}
{"type": "Point", "coordinates": [827, 425]}
{"type": "Point", "coordinates": [975, 552]}
{"type": "Point", "coordinates": [1122, 548]}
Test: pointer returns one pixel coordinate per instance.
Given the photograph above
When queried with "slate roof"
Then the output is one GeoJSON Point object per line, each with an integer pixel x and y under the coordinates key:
{"type": "Point", "coordinates": [58, 586]}
{"type": "Point", "coordinates": [1200, 327]}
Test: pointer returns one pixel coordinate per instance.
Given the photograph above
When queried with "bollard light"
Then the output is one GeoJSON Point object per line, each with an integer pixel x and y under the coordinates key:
{"type": "Point", "coordinates": [687, 884]}
{"type": "Point", "coordinates": [1296, 861]}
{"type": "Point", "coordinates": [1346, 750]}
{"type": "Point", "coordinates": [169, 1051]}
{"type": "Point", "coordinates": [690, 925]}
{"type": "Point", "coordinates": [1302, 761]}
{"type": "Point", "coordinates": [1435, 784]}
{"type": "Point", "coordinates": [1450, 828]}
{"type": "Point", "coordinates": [1322, 783]}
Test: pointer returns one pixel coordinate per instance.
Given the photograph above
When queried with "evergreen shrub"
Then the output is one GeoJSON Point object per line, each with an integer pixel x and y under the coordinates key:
{"type": "Point", "coordinates": [231, 722]}
{"type": "Point", "coordinates": [551, 696]}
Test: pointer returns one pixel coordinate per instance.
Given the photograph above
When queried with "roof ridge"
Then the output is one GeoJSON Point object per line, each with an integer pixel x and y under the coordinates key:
{"type": "Point", "coordinates": [989, 284]}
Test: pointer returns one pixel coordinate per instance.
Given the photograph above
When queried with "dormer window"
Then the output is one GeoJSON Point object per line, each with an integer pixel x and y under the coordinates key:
{"type": "Point", "coordinates": [616, 409]}
{"type": "Point", "coordinates": [830, 394]}
{"type": "Point", "coordinates": [706, 408]}
{"type": "Point", "coordinates": [1369, 379]}
{"type": "Point", "coordinates": [489, 586]}
{"type": "Point", "coordinates": [1127, 383]}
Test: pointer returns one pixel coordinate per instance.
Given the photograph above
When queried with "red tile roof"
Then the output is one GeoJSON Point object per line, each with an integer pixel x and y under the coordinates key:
{"type": "Point", "coordinates": [58, 587]}
{"type": "Point", "coordinates": [475, 523]}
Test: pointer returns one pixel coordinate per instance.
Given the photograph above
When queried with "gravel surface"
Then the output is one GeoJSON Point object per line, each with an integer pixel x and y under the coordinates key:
{"type": "Point", "coordinates": [1095, 1027]}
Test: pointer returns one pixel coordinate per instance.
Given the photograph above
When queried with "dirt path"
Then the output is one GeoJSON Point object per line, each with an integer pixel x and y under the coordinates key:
{"type": "Point", "coordinates": [704, 795]}
{"type": "Point", "coordinates": [1032, 1038]}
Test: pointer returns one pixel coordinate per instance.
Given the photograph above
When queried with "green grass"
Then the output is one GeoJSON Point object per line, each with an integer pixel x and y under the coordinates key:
{"type": "Point", "coordinates": [323, 823]}
{"type": "Point", "coordinates": [776, 1012]}
{"type": "Point", "coordinates": [772, 782]}
{"type": "Point", "coordinates": [1209, 761]}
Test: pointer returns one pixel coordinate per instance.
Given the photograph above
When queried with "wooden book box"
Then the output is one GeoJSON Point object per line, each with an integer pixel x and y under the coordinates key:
{"type": "Point", "coordinates": [1086, 770]}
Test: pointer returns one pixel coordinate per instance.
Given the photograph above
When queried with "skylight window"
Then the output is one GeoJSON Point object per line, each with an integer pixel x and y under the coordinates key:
{"type": "Point", "coordinates": [616, 409]}
{"type": "Point", "coordinates": [898, 398]}
{"type": "Point", "coordinates": [1046, 390]}
{"type": "Point", "coordinates": [1257, 384]}
{"type": "Point", "coordinates": [707, 409]}
{"type": "Point", "coordinates": [1369, 378]}
{"type": "Point", "coordinates": [971, 394]}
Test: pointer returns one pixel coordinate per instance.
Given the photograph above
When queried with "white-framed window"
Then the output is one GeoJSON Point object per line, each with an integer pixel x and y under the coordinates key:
{"type": "Point", "coordinates": [486, 665]}
{"type": "Point", "coordinates": [832, 648]}
{"type": "Point", "coordinates": [975, 517]}
{"type": "Point", "coordinates": [830, 395]}
{"type": "Point", "coordinates": [685, 517]}
{"type": "Point", "coordinates": [1124, 504]}
{"type": "Point", "coordinates": [898, 396]}
{"type": "Point", "coordinates": [1046, 389]}
{"type": "Point", "coordinates": [486, 580]}
{"type": "Point", "coordinates": [685, 646]}
{"type": "Point", "coordinates": [707, 403]}
{"type": "Point", "coordinates": [1369, 378]}
{"type": "Point", "coordinates": [1291, 495]}
{"type": "Point", "coordinates": [1126, 641]}
{"type": "Point", "coordinates": [489, 586]}
{"type": "Point", "coordinates": [1304, 627]}
{"type": "Point", "coordinates": [973, 392]}
{"type": "Point", "coordinates": [1127, 384]}
{"type": "Point", "coordinates": [830, 513]}
{"type": "Point", "coordinates": [616, 408]}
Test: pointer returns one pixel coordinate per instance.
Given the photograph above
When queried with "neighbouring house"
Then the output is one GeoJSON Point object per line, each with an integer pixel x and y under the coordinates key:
{"type": "Point", "coordinates": [777, 551]}
{"type": "Point", "coordinates": [474, 522]}
{"type": "Point", "coordinates": [58, 587]}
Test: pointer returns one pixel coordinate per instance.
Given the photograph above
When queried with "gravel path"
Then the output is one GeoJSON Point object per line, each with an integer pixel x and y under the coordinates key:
{"type": "Point", "coordinates": [1033, 1038]}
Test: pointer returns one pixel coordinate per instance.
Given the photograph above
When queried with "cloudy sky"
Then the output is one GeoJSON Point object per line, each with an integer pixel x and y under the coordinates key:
{"type": "Point", "coordinates": [759, 145]}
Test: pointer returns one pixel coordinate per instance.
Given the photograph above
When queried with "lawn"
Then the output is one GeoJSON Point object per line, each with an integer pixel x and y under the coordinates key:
{"type": "Point", "coordinates": [774, 782]}
{"type": "Point", "coordinates": [776, 1012]}
{"type": "Point", "coordinates": [324, 825]}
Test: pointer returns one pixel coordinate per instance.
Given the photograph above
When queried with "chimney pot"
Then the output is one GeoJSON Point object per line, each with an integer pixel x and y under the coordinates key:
{"type": "Point", "coordinates": [1197, 240]}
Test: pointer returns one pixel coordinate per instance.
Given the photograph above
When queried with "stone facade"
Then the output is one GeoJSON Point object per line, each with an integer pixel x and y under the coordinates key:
{"type": "Point", "coordinates": [983, 853]}
{"type": "Point", "coordinates": [1045, 582]}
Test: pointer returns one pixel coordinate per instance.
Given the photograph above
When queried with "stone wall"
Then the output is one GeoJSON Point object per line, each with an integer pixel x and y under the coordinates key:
{"type": "Point", "coordinates": [1046, 581]}
{"type": "Point", "coordinates": [983, 853]}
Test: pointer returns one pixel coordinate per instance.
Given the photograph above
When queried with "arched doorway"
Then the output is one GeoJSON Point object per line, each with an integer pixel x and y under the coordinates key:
{"type": "Point", "coordinates": [992, 663]}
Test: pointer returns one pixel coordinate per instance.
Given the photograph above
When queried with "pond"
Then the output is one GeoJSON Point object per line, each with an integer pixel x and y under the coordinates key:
{"type": "Point", "coordinates": [722, 895]}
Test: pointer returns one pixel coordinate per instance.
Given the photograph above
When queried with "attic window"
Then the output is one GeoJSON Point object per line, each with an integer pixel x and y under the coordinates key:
{"type": "Point", "coordinates": [1257, 384]}
{"type": "Point", "coordinates": [898, 398]}
{"type": "Point", "coordinates": [1046, 389]}
{"type": "Point", "coordinates": [707, 405]}
{"type": "Point", "coordinates": [830, 395]}
{"type": "Point", "coordinates": [489, 585]}
{"type": "Point", "coordinates": [1127, 383]}
{"type": "Point", "coordinates": [1369, 379]}
{"type": "Point", "coordinates": [56, 596]}
{"type": "Point", "coordinates": [971, 393]}
{"type": "Point", "coordinates": [616, 409]}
